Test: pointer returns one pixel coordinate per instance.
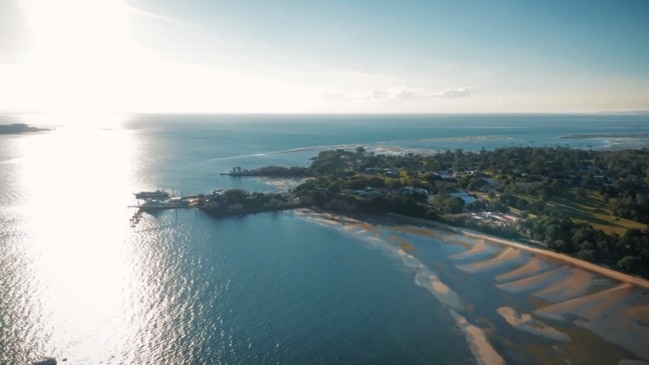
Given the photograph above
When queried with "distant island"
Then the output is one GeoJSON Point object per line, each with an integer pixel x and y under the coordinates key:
{"type": "Point", "coordinates": [18, 128]}
{"type": "Point", "coordinates": [593, 205]}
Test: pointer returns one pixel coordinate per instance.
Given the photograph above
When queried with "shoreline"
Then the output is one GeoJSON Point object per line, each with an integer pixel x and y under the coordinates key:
{"type": "Point", "coordinates": [560, 295]}
{"type": "Point", "coordinates": [545, 254]}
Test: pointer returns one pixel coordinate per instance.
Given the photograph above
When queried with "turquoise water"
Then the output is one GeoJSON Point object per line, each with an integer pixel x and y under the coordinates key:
{"type": "Point", "coordinates": [78, 281]}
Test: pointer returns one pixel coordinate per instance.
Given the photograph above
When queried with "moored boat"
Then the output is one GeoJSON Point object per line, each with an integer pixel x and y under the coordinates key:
{"type": "Point", "coordinates": [158, 194]}
{"type": "Point", "coordinates": [172, 203]}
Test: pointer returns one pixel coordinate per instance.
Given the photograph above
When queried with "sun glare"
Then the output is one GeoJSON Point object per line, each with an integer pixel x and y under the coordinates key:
{"type": "Point", "coordinates": [79, 54]}
{"type": "Point", "coordinates": [81, 260]}
{"type": "Point", "coordinates": [85, 60]}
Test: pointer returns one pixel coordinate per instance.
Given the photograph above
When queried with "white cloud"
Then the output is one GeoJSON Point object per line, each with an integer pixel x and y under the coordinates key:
{"type": "Point", "coordinates": [461, 92]}
{"type": "Point", "coordinates": [377, 95]}
{"type": "Point", "coordinates": [406, 94]}
{"type": "Point", "coordinates": [330, 96]}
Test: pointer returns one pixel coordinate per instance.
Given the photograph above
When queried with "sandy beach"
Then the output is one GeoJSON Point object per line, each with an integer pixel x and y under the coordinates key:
{"type": "Point", "coordinates": [569, 293]}
{"type": "Point", "coordinates": [611, 304]}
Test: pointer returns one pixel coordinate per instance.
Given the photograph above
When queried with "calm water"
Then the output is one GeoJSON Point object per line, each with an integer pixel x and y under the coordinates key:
{"type": "Point", "coordinates": [77, 281]}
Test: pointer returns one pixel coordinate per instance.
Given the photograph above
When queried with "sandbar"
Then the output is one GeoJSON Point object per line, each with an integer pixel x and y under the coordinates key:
{"type": "Point", "coordinates": [508, 256]}
{"type": "Point", "coordinates": [526, 322]}
{"type": "Point", "coordinates": [575, 285]}
{"type": "Point", "coordinates": [532, 267]}
{"type": "Point", "coordinates": [536, 282]}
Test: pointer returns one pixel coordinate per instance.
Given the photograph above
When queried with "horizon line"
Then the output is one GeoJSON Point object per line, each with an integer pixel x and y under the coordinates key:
{"type": "Point", "coordinates": [601, 112]}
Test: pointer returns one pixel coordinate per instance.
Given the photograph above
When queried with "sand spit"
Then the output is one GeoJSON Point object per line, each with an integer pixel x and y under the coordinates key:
{"type": "Point", "coordinates": [537, 281]}
{"type": "Point", "coordinates": [579, 292]}
{"type": "Point", "coordinates": [429, 280]}
{"type": "Point", "coordinates": [533, 267]}
{"type": "Point", "coordinates": [526, 322]}
{"type": "Point", "coordinates": [339, 222]}
{"type": "Point", "coordinates": [480, 346]}
{"type": "Point", "coordinates": [441, 291]}
{"type": "Point", "coordinates": [619, 315]}
{"type": "Point", "coordinates": [596, 269]}
{"type": "Point", "coordinates": [597, 305]}
{"type": "Point", "coordinates": [576, 284]}
{"type": "Point", "coordinates": [508, 256]}
{"type": "Point", "coordinates": [541, 253]}
{"type": "Point", "coordinates": [478, 250]}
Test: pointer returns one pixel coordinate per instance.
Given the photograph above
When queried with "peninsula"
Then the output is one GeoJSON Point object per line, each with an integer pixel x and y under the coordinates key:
{"type": "Point", "coordinates": [593, 205]}
{"type": "Point", "coordinates": [239, 202]}
{"type": "Point", "coordinates": [18, 128]}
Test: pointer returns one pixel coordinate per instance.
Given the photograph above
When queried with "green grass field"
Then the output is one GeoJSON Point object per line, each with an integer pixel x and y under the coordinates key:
{"type": "Point", "coordinates": [592, 210]}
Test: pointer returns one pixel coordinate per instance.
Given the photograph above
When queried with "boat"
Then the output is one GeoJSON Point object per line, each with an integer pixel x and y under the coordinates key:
{"type": "Point", "coordinates": [158, 194]}
{"type": "Point", "coordinates": [46, 361]}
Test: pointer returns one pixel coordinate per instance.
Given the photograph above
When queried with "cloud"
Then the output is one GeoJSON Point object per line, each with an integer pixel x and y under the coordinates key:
{"type": "Point", "coordinates": [406, 94]}
{"type": "Point", "coordinates": [377, 95]}
{"type": "Point", "coordinates": [400, 93]}
{"type": "Point", "coordinates": [331, 96]}
{"type": "Point", "coordinates": [461, 92]}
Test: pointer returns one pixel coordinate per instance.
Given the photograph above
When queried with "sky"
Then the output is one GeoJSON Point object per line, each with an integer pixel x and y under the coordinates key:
{"type": "Point", "coordinates": [375, 56]}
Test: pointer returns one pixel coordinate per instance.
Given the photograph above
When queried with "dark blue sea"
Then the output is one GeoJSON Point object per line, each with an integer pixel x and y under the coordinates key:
{"type": "Point", "coordinates": [79, 281]}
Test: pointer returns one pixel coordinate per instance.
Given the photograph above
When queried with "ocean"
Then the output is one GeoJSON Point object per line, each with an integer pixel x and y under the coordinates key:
{"type": "Point", "coordinates": [79, 281]}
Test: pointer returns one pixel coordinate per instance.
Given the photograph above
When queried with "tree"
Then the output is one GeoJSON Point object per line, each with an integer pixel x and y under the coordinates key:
{"type": "Point", "coordinates": [235, 195]}
{"type": "Point", "coordinates": [454, 205]}
{"type": "Point", "coordinates": [630, 264]}
{"type": "Point", "coordinates": [556, 185]}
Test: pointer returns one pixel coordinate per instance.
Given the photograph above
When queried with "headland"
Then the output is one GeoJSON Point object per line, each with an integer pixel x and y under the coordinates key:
{"type": "Point", "coordinates": [18, 128]}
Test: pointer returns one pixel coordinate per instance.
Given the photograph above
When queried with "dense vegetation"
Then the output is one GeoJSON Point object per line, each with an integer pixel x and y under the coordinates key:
{"type": "Point", "coordinates": [237, 202]}
{"type": "Point", "coordinates": [546, 187]}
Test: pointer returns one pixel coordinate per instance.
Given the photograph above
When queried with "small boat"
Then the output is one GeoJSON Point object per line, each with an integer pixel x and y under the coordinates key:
{"type": "Point", "coordinates": [158, 194]}
{"type": "Point", "coordinates": [46, 361]}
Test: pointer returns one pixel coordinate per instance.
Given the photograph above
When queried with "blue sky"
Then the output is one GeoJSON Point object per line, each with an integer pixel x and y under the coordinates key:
{"type": "Point", "coordinates": [325, 56]}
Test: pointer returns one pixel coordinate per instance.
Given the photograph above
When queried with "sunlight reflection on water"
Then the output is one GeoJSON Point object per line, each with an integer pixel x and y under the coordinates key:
{"type": "Point", "coordinates": [83, 282]}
